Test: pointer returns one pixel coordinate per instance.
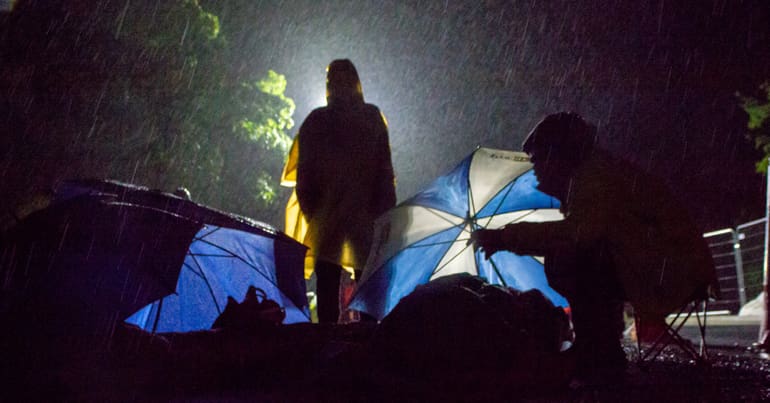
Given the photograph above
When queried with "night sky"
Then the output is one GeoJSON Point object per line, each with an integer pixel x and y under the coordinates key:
{"type": "Point", "coordinates": [659, 78]}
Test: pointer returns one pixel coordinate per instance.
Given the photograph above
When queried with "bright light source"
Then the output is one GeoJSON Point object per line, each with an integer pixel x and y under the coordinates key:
{"type": "Point", "coordinates": [319, 100]}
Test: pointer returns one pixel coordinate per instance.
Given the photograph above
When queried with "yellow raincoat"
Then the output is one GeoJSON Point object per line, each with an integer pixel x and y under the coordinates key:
{"type": "Point", "coordinates": [344, 181]}
{"type": "Point", "coordinates": [295, 224]}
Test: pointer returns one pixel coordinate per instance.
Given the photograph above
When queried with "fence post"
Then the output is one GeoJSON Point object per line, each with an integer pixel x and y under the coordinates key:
{"type": "Point", "coordinates": [764, 331]}
{"type": "Point", "coordinates": [739, 267]}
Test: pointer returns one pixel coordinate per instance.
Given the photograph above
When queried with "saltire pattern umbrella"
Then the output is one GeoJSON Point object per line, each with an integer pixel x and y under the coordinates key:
{"type": "Point", "coordinates": [426, 236]}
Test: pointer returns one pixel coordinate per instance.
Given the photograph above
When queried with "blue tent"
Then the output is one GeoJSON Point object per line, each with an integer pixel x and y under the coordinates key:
{"type": "Point", "coordinates": [425, 237]}
{"type": "Point", "coordinates": [226, 255]}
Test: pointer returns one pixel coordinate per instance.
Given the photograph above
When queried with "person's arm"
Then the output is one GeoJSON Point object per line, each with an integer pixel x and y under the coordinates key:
{"type": "Point", "coordinates": [585, 225]}
{"type": "Point", "coordinates": [527, 238]}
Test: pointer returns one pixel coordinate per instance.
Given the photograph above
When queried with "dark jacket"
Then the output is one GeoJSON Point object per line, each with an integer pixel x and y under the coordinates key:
{"type": "Point", "coordinates": [345, 180]}
{"type": "Point", "coordinates": [627, 220]}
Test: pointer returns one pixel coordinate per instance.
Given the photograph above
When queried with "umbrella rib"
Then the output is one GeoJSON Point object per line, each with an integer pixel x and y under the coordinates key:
{"type": "Point", "coordinates": [494, 266]}
{"type": "Point", "coordinates": [451, 259]}
{"type": "Point", "coordinates": [425, 245]}
{"type": "Point", "coordinates": [435, 212]}
{"type": "Point", "coordinates": [412, 245]}
{"type": "Point", "coordinates": [231, 254]}
{"type": "Point", "coordinates": [192, 269]}
{"type": "Point", "coordinates": [213, 230]}
{"type": "Point", "coordinates": [497, 271]}
{"type": "Point", "coordinates": [533, 211]}
{"type": "Point", "coordinates": [208, 255]}
{"type": "Point", "coordinates": [253, 267]}
{"type": "Point", "coordinates": [500, 203]}
{"type": "Point", "coordinates": [244, 261]}
{"type": "Point", "coordinates": [208, 284]}
{"type": "Point", "coordinates": [523, 216]}
{"type": "Point", "coordinates": [471, 203]}
{"type": "Point", "coordinates": [157, 316]}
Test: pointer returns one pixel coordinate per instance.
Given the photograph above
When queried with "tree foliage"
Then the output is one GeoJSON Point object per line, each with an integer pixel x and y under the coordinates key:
{"type": "Point", "coordinates": [139, 91]}
{"type": "Point", "coordinates": [758, 110]}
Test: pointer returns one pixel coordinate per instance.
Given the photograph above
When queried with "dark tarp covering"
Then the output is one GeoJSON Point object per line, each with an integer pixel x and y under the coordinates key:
{"type": "Point", "coordinates": [79, 266]}
{"type": "Point", "coordinates": [460, 324]}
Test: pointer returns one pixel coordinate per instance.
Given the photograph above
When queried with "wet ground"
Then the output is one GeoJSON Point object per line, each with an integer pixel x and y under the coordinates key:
{"type": "Point", "coordinates": [730, 375]}
{"type": "Point", "coordinates": [313, 363]}
{"type": "Point", "coordinates": [338, 363]}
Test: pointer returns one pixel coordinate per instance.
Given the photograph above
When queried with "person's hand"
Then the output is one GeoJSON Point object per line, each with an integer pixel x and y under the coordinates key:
{"type": "Point", "coordinates": [488, 240]}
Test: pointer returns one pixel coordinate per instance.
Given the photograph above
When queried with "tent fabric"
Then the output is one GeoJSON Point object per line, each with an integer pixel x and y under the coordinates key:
{"type": "Point", "coordinates": [425, 237]}
{"type": "Point", "coordinates": [226, 255]}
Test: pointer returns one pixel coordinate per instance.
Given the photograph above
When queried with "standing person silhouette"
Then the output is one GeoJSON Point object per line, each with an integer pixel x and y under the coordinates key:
{"type": "Point", "coordinates": [345, 180]}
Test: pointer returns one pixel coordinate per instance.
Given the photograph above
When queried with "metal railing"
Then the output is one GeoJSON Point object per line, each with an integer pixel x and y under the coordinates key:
{"type": "Point", "coordinates": [738, 256]}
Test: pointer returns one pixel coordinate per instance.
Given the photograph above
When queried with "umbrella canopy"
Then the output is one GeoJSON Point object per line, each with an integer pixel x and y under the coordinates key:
{"type": "Point", "coordinates": [220, 262]}
{"type": "Point", "coordinates": [425, 237]}
{"type": "Point", "coordinates": [105, 251]}
{"type": "Point", "coordinates": [223, 257]}
{"type": "Point", "coordinates": [79, 266]}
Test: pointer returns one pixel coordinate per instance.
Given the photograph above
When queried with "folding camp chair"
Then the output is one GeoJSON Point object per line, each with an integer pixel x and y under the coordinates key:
{"type": "Point", "coordinates": [669, 335]}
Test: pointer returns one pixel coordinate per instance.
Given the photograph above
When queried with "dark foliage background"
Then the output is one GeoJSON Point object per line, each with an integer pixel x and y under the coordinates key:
{"type": "Point", "coordinates": [137, 91]}
{"type": "Point", "coordinates": [143, 91]}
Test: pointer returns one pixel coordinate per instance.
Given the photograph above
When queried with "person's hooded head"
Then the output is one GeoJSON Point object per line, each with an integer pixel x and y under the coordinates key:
{"type": "Point", "coordinates": [556, 146]}
{"type": "Point", "coordinates": [342, 83]}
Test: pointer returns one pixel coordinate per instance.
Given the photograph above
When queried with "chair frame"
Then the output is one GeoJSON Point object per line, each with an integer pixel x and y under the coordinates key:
{"type": "Point", "coordinates": [670, 334]}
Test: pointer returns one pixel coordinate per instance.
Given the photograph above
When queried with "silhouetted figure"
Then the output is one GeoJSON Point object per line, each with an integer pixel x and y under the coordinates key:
{"type": "Point", "coordinates": [624, 237]}
{"type": "Point", "coordinates": [344, 181]}
{"type": "Point", "coordinates": [256, 311]}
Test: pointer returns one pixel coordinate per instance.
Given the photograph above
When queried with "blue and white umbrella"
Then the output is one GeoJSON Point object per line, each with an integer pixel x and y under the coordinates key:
{"type": "Point", "coordinates": [426, 236]}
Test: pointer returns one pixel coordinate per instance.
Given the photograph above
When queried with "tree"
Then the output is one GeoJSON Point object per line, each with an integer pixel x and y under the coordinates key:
{"type": "Point", "coordinates": [758, 110]}
{"type": "Point", "coordinates": [138, 91]}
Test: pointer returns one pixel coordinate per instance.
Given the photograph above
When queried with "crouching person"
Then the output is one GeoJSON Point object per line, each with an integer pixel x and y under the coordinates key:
{"type": "Point", "coordinates": [623, 238]}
